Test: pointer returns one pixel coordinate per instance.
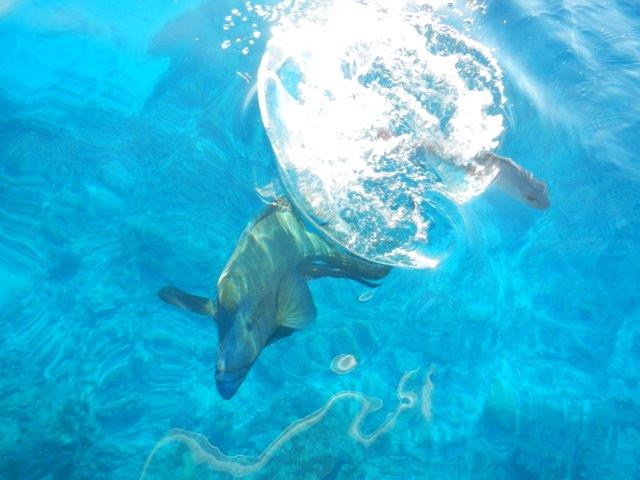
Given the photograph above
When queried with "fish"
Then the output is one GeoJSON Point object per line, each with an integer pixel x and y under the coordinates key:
{"type": "Point", "coordinates": [262, 294]}
{"type": "Point", "coordinates": [512, 179]}
{"type": "Point", "coordinates": [517, 182]}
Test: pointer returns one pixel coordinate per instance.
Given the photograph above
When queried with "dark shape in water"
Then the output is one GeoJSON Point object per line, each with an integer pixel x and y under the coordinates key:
{"type": "Point", "coordinates": [262, 292]}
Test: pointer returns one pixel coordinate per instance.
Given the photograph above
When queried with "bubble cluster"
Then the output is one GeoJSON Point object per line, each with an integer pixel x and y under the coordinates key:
{"type": "Point", "coordinates": [244, 24]}
{"type": "Point", "coordinates": [377, 124]}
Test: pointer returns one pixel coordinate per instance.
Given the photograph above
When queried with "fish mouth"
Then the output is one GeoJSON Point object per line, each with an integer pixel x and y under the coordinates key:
{"type": "Point", "coordinates": [228, 383]}
{"type": "Point", "coordinates": [542, 204]}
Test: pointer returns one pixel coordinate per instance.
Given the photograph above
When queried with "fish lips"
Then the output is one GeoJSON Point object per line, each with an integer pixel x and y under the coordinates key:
{"type": "Point", "coordinates": [229, 382]}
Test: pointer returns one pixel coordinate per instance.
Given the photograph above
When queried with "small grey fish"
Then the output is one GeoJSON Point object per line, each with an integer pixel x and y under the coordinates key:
{"type": "Point", "coordinates": [262, 293]}
{"type": "Point", "coordinates": [517, 182]}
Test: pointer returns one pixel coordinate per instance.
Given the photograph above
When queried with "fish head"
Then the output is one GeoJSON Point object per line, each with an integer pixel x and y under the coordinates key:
{"type": "Point", "coordinates": [229, 377]}
{"type": "Point", "coordinates": [242, 336]}
{"type": "Point", "coordinates": [535, 195]}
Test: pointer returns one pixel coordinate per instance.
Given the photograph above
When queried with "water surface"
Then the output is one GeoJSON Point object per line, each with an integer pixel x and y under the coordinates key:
{"type": "Point", "coordinates": [130, 160]}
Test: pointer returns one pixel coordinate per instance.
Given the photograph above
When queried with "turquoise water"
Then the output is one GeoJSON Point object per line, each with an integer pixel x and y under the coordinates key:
{"type": "Point", "coordinates": [128, 161]}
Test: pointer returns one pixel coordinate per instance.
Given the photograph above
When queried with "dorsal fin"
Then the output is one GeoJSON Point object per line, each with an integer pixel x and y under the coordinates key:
{"type": "Point", "coordinates": [295, 308]}
{"type": "Point", "coordinates": [278, 205]}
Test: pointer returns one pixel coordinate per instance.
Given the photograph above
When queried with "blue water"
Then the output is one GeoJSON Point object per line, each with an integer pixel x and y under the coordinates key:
{"type": "Point", "coordinates": [127, 162]}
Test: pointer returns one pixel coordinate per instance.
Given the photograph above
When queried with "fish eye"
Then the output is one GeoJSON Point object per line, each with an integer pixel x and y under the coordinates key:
{"type": "Point", "coordinates": [531, 198]}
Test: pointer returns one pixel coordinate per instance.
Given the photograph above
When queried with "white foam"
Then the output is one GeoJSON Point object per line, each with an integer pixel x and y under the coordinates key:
{"type": "Point", "coordinates": [376, 111]}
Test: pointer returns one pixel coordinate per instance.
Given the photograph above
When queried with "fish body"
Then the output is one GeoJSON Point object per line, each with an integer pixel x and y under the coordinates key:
{"type": "Point", "coordinates": [262, 293]}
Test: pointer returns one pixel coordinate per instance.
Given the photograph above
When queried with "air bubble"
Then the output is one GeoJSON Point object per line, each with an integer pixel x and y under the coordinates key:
{"type": "Point", "coordinates": [344, 363]}
{"type": "Point", "coordinates": [368, 295]}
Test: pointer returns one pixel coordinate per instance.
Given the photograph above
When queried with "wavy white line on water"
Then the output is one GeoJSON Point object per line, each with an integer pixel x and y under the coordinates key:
{"type": "Point", "coordinates": [241, 465]}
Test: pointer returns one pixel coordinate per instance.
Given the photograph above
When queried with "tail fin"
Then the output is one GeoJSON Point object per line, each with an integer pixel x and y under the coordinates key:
{"type": "Point", "coordinates": [343, 266]}
{"type": "Point", "coordinates": [199, 305]}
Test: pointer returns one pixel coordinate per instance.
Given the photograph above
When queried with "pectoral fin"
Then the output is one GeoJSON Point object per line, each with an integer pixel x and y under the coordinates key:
{"type": "Point", "coordinates": [343, 266]}
{"type": "Point", "coordinates": [199, 305]}
{"type": "Point", "coordinates": [295, 305]}
{"type": "Point", "coordinates": [280, 333]}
